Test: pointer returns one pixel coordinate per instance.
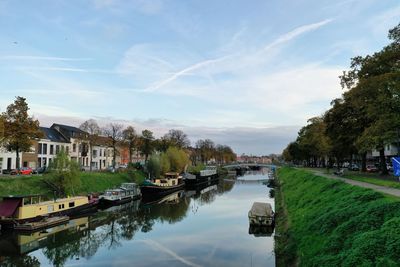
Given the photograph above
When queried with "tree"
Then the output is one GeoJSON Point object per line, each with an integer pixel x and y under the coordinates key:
{"type": "Point", "coordinates": [1, 129]}
{"type": "Point", "coordinates": [19, 128]}
{"type": "Point", "coordinates": [153, 166]}
{"type": "Point", "coordinates": [165, 165]}
{"type": "Point", "coordinates": [178, 159]}
{"type": "Point", "coordinates": [92, 128]}
{"type": "Point", "coordinates": [177, 138]}
{"type": "Point", "coordinates": [130, 138]}
{"type": "Point", "coordinates": [375, 79]}
{"type": "Point", "coordinates": [63, 174]}
{"type": "Point", "coordinates": [146, 143]}
{"type": "Point", "coordinates": [114, 132]}
{"type": "Point", "coordinates": [205, 149]}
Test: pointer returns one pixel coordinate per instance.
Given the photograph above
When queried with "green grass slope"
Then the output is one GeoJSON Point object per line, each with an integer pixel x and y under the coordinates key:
{"type": "Point", "coordinates": [335, 224]}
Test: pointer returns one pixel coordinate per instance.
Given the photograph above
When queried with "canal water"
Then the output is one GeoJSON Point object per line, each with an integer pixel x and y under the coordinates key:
{"type": "Point", "coordinates": [203, 226]}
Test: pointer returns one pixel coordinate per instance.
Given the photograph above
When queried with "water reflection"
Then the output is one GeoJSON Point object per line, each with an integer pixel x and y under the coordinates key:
{"type": "Point", "coordinates": [196, 221]}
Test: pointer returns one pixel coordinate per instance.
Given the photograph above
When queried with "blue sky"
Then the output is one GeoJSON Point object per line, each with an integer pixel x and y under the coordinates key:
{"type": "Point", "coordinates": [245, 73]}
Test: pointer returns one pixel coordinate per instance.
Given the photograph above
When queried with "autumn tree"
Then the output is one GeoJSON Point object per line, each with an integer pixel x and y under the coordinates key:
{"type": "Point", "coordinates": [19, 128]}
{"type": "Point", "coordinates": [147, 143]}
{"type": "Point", "coordinates": [177, 138]}
{"type": "Point", "coordinates": [376, 81]}
{"type": "Point", "coordinates": [1, 129]}
{"type": "Point", "coordinates": [93, 131]}
{"type": "Point", "coordinates": [114, 132]}
{"type": "Point", "coordinates": [130, 139]}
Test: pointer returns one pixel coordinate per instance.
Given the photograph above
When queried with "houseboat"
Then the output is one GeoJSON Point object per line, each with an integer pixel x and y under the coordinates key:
{"type": "Point", "coordinates": [18, 210]}
{"type": "Point", "coordinates": [206, 175]}
{"type": "Point", "coordinates": [127, 192]}
{"type": "Point", "coordinates": [171, 182]}
{"type": "Point", "coordinates": [261, 214]}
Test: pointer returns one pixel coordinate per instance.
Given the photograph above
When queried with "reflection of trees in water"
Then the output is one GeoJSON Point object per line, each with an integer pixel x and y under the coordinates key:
{"type": "Point", "coordinates": [24, 260]}
{"type": "Point", "coordinates": [110, 227]}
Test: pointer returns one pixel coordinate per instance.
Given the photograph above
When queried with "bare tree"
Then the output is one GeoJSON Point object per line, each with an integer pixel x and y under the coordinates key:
{"type": "Point", "coordinates": [114, 132]}
{"type": "Point", "coordinates": [92, 128]}
{"type": "Point", "coordinates": [177, 138]}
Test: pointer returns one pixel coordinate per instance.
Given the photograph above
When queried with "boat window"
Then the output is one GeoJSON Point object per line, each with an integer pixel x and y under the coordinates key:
{"type": "Point", "coordinates": [61, 206]}
{"type": "Point", "coordinates": [50, 208]}
{"type": "Point", "coordinates": [72, 204]}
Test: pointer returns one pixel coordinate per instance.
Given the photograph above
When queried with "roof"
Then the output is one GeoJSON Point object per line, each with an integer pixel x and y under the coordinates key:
{"type": "Point", "coordinates": [68, 131]}
{"type": "Point", "coordinates": [261, 209]}
{"type": "Point", "coordinates": [53, 135]}
{"type": "Point", "coordinates": [102, 141]}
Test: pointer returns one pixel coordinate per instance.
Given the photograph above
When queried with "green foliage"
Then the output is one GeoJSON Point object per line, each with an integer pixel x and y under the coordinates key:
{"type": "Point", "coordinates": [146, 143]}
{"type": "Point", "coordinates": [178, 159]}
{"type": "Point", "coordinates": [165, 165]}
{"type": "Point", "coordinates": [64, 174]}
{"type": "Point", "coordinates": [336, 224]}
{"type": "Point", "coordinates": [153, 166]}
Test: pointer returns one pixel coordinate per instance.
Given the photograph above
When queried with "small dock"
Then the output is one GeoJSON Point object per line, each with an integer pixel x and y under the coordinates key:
{"type": "Point", "coordinates": [45, 223]}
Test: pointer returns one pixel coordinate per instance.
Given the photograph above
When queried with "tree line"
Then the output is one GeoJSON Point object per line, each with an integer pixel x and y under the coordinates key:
{"type": "Point", "coordinates": [364, 118]}
{"type": "Point", "coordinates": [18, 130]}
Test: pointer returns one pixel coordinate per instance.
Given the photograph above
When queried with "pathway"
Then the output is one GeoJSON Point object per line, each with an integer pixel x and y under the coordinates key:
{"type": "Point", "coordinates": [383, 189]}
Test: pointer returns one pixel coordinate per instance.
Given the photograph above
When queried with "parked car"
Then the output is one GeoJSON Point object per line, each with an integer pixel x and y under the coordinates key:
{"type": "Point", "coordinates": [22, 171]}
{"type": "Point", "coordinates": [354, 167]}
{"type": "Point", "coordinates": [39, 170]}
{"type": "Point", "coordinates": [372, 168]}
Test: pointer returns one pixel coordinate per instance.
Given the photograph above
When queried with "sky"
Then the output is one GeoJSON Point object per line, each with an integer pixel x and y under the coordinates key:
{"type": "Point", "coordinates": [247, 74]}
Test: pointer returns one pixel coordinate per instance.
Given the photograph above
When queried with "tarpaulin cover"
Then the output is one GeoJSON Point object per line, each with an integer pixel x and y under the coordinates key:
{"type": "Point", "coordinates": [8, 207]}
{"type": "Point", "coordinates": [396, 166]}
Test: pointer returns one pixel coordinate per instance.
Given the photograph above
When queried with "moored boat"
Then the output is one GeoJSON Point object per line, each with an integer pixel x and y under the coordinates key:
{"type": "Point", "coordinates": [261, 214]}
{"type": "Point", "coordinates": [127, 192]}
{"type": "Point", "coordinates": [171, 182]}
{"type": "Point", "coordinates": [203, 176]}
{"type": "Point", "coordinates": [18, 210]}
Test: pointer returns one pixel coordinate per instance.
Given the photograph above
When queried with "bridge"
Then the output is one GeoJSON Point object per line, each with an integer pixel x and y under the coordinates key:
{"type": "Point", "coordinates": [245, 165]}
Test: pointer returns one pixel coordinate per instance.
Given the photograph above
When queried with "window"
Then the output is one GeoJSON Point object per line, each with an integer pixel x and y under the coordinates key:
{"type": "Point", "coordinates": [94, 153]}
{"type": "Point", "coordinates": [74, 148]}
{"type": "Point", "coordinates": [39, 160]}
{"type": "Point", "coordinates": [44, 161]}
{"type": "Point", "coordinates": [40, 148]}
{"type": "Point", "coordinates": [51, 149]}
{"type": "Point", "coordinates": [71, 204]}
{"type": "Point", "coordinates": [57, 149]}
{"type": "Point", "coordinates": [61, 206]}
{"type": "Point", "coordinates": [44, 149]}
{"type": "Point", "coordinates": [67, 149]}
{"type": "Point", "coordinates": [50, 161]}
{"type": "Point", "coordinates": [50, 208]}
{"type": "Point", "coordinates": [25, 164]}
{"type": "Point", "coordinates": [1, 164]}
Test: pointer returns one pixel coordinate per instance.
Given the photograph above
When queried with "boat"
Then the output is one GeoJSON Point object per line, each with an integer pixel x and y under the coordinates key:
{"type": "Point", "coordinates": [206, 175]}
{"type": "Point", "coordinates": [171, 182]}
{"type": "Point", "coordinates": [261, 214]}
{"type": "Point", "coordinates": [125, 193]}
{"type": "Point", "coordinates": [19, 210]}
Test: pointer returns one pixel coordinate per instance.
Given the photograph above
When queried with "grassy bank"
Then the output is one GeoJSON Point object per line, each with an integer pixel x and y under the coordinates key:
{"type": "Point", "coordinates": [90, 182]}
{"type": "Point", "coordinates": [331, 223]}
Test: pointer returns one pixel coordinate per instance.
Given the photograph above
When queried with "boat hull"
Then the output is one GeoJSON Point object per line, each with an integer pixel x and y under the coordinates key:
{"type": "Point", "coordinates": [11, 223]}
{"type": "Point", "coordinates": [149, 191]}
{"type": "Point", "coordinates": [112, 202]}
{"type": "Point", "coordinates": [200, 179]}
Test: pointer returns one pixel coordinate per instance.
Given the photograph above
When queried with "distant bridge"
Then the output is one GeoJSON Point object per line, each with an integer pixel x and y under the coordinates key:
{"type": "Point", "coordinates": [245, 165]}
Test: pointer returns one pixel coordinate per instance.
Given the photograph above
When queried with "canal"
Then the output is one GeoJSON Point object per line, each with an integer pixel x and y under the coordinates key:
{"type": "Point", "coordinates": [204, 226]}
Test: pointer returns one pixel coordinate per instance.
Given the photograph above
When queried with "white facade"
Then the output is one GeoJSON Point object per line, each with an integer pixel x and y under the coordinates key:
{"type": "Point", "coordinates": [390, 150]}
{"type": "Point", "coordinates": [102, 157]}
{"type": "Point", "coordinates": [8, 159]}
{"type": "Point", "coordinates": [47, 151]}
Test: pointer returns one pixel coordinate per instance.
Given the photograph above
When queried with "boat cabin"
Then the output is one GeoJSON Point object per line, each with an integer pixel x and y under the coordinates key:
{"type": "Point", "coordinates": [170, 179]}
{"type": "Point", "coordinates": [31, 206]}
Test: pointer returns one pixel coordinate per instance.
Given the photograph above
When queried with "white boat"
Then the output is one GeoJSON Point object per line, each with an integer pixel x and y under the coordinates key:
{"type": "Point", "coordinates": [206, 175]}
{"type": "Point", "coordinates": [126, 192]}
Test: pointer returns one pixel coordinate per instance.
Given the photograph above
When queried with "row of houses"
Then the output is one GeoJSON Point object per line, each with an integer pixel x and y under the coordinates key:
{"type": "Point", "coordinates": [74, 142]}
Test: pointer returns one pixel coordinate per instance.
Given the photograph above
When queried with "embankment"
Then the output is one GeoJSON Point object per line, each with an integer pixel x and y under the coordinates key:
{"type": "Point", "coordinates": [89, 182]}
{"type": "Point", "coordinates": [322, 222]}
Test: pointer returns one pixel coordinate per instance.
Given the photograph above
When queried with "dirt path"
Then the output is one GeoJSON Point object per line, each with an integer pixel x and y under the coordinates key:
{"type": "Point", "coordinates": [379, 188]}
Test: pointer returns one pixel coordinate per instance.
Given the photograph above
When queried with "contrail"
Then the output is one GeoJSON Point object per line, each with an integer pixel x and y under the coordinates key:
{"type": "Point", "coordinates": [168, 251]}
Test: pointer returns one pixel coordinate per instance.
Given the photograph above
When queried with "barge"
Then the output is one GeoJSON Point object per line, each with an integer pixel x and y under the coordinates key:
{"type": "Point", "coordinates": [170, 183]}
{"type": "Point", "coordinates": [206, 175]}
{"type": "Point", "coordinates": [127, 192]}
